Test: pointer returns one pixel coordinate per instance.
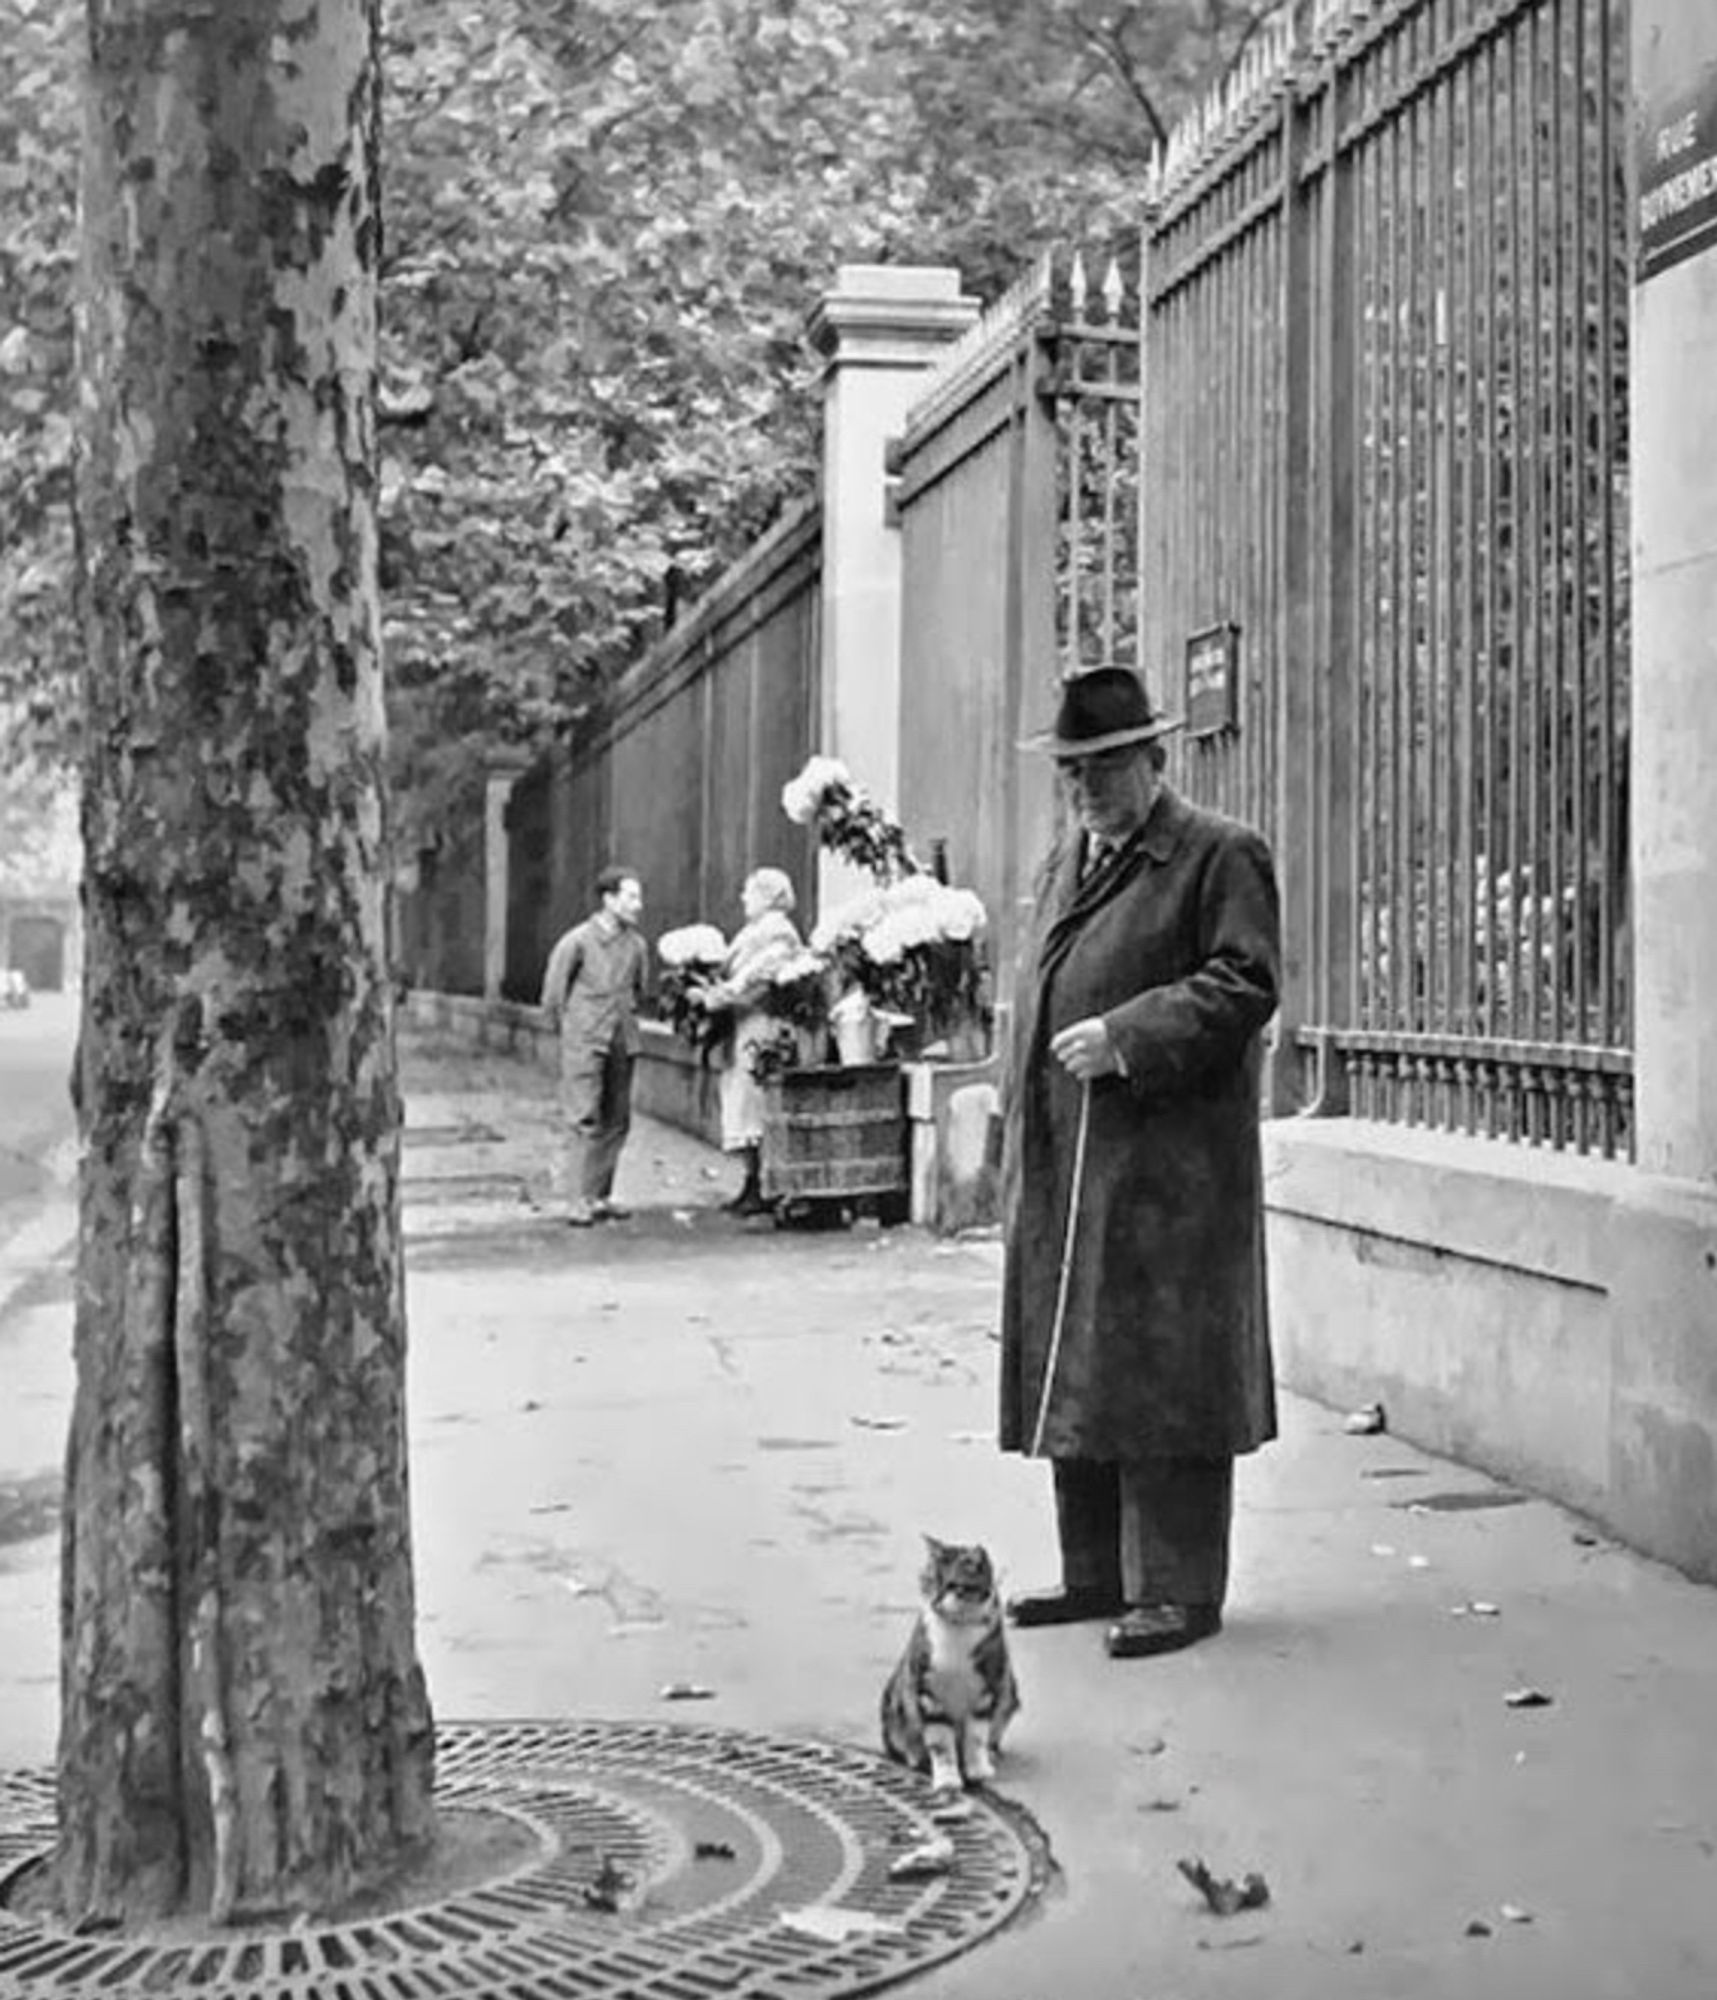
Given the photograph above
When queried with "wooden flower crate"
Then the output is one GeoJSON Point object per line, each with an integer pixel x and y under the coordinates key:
{"type": "Point", "coordinates": [833, 1133]}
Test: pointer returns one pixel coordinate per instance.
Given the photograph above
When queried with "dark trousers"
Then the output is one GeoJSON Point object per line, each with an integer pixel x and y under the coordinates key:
{"type": "Point", "coordinates": [596, 1115]}
{"type": "Point", "coordinates": [1153, 1529]}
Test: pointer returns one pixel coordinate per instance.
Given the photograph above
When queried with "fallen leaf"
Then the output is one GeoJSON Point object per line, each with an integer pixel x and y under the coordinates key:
{"type": "Point", "coordinates": [1527, 1697]}
{"type": "Point", "coordinates": [713, 1850]}
{"type": "Point", "coordinates": [1383, 1548]}
{"type": "Point", "coordinates": [1224, 1896]}
{"type": "Point", "coordinates": [553, 1507]}
{"type": "Point", "coordinates": [1367, 1421]}
{"type": "Point", "coordinates": [687, 1691]}
{"type": "Point", "coordinates": [1230, 1944]}
{"type": "Point", "coordinates": [1418, 1562]}
{"type": "Point", "coordinates": [971, 1437]}
{"type": "Point", "coordinates": [529, 1405]}
{"type": "Point", "coordinates": [1357, 1946]}
{"type": "Point", "coordinates": [1512, 1913]}
{"type": "Point", "coordinates": [1475, 1607]}
{"type": "Point", "coordinates": [1478, 1928]}
{"type": "Point", "coordinates": [834, 1926]}
{"type": "Point", "coordinates": [1587, 1541]}
{"type": "Point", "coordinates": [1160, 1805]}
{"type": "Point", "coordinates": [608, 1887]}
{"type": "Point", "coordinates": [878, 1423]}
{"type": "Point", "coordinates": [1149, 1746]}
{"type": "Point", "coordinates": [923, 1862]}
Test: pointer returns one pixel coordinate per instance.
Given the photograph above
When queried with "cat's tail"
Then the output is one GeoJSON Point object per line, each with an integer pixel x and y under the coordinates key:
{"type": "Point", "coordinates": [900, 1740]}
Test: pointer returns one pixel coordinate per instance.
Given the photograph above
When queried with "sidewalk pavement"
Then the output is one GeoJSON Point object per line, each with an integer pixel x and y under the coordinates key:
{"type": "Point", "coordinates": [682, 1448]}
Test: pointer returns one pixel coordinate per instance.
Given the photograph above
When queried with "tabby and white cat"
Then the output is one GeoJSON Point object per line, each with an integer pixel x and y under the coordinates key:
{"type": "Point", "coordinates": [953, 1691]}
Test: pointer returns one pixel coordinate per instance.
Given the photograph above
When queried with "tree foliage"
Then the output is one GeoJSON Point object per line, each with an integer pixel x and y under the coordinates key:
{"type": "Point", "coordinates": [38, 255]}
{"type": "Point", "coordinates": [607, 221]}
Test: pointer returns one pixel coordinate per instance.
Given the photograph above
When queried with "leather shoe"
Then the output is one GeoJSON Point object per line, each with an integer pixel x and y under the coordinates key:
{"type": "Point", "coordinates": [1149, 1629]}
{"type": "Point", "coordinates": [609, 1211]}
{"type": "Point", "coordinates": [1072, 1606]}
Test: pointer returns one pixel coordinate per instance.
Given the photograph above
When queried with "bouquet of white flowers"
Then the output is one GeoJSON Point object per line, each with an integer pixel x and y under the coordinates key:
{"type": "Point", "coordinates": [848, 820]}
{"type": "Point", "coordinates": [691, 957]}
{"type": "Point", "coordinates": [798, 991]}
{"type": "Point", "coordinates": [915, 947]}
{"type": "Point", "coordinates": [692, 945]}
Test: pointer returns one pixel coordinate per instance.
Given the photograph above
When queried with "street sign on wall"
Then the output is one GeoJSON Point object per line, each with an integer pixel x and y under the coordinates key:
{"type": "Point", "coordinates": [1677, 178]}
{"type": "Point", "coordinates": [1213, 681]}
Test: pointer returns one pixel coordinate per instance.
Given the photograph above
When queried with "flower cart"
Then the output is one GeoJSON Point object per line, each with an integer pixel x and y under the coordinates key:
{"type": "Point", "coordinates": [835, 1135]}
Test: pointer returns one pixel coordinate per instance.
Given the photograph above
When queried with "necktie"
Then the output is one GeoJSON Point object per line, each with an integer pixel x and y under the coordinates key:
{"type": "Point", "coordinates": [1097, 853]}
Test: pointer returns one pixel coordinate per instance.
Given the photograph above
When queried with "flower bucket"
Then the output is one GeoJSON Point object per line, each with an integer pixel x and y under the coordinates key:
{"type": "Point", "coordinates": [810, 1044]}
{"type": "Point", "coordinates": [855, 1042]}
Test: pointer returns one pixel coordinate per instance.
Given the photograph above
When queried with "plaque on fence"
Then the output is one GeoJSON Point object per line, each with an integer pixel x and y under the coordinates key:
{"type": "Point", "coordinates": [1678, 179]}
{"type": "Point", "coordinates": [1213, 681]}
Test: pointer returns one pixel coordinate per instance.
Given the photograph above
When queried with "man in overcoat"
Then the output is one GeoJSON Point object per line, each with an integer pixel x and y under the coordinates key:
{"type": "Point", "coordinates": [593, 990]}
{"type": "Point", "coordinates": [1135, 1333]}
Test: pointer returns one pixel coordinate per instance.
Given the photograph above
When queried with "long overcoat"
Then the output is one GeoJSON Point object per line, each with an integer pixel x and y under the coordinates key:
{"type": "Point", "coordinates": [1165, 1344]}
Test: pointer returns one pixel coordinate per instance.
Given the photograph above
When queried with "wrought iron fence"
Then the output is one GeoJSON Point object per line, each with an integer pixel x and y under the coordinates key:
{"type": "Point", "coordinates": [1386, 408]}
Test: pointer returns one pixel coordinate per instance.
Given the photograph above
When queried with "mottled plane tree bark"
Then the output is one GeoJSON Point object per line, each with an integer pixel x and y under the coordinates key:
{"type": "Point", "coordinates": [245, 1723]}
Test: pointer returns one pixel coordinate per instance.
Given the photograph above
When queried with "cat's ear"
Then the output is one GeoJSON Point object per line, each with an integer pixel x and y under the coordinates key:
{"type": "Point", "coordinates": [935, 1547]}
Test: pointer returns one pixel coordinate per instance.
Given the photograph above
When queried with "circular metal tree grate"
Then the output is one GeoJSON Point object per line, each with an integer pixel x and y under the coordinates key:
{"type": "Point", "coordinates": [733, 1863]}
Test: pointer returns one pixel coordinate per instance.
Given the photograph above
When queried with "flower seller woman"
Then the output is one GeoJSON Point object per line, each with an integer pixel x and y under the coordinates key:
{"type": "Point", "coordinates": [767, 941]}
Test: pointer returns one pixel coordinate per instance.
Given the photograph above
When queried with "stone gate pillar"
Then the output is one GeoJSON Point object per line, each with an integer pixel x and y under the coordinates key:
{"type": "Point", "coordinates": [1674, 501]}
{"type": "Point", "coordinates": [502, 770]}
{"type": "Point", "coordinates": [880, 328]}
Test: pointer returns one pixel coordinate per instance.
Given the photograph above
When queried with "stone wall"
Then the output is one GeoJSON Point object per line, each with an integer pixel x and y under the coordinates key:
{"type": "Point", "coordinates": [1545, 1317]}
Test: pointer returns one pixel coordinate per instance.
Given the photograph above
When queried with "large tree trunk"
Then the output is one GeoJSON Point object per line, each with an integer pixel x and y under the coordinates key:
{"type": "Point", "coordinates": [245, 1725]}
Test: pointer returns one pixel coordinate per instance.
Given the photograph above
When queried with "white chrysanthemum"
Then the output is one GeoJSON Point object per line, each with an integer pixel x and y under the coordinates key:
{"type": "Point", "coordinates": [802, 965]}
{"type": "Point", "coordinates": [692, 944]}
{"type": "Point", "coordinates": [961, 914]}
{"type": "Point", "coordinates": [888, 940]}
{"type": "Point", "coordinates": [851, 920]}
{"type": "Point", "coordinates": [912, 891]}
{"type": "Point", "coordinates": [802, 797]}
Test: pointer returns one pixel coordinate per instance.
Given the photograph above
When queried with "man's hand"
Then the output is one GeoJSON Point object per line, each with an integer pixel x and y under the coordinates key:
{"type": "Point", "coordinates": [1084, 1050]}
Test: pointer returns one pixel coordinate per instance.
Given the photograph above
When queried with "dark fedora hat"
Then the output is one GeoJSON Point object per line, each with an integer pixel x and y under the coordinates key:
{"type": "Point", "coordinates": [1101, 709]}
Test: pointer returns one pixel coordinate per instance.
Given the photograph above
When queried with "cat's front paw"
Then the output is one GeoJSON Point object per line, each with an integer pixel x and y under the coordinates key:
{"type": "Point", "coordinates": [980, 1767]}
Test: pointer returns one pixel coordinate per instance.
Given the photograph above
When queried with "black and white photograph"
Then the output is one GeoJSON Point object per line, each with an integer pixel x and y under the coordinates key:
{"type": "Point", "coordinates": [858, 999]}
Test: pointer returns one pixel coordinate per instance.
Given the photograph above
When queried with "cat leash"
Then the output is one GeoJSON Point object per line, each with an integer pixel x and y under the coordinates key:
{"type": "Point", "coordinates": [1069, 1238]}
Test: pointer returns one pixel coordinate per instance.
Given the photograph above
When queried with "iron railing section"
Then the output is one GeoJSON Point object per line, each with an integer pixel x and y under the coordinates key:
{"type": "Point", "coordinates": [1092, 384]}
{"type": "Point", "coordinates": [1567, 1096]}
{"type": "Point", "coordinates": [1408, 488]}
